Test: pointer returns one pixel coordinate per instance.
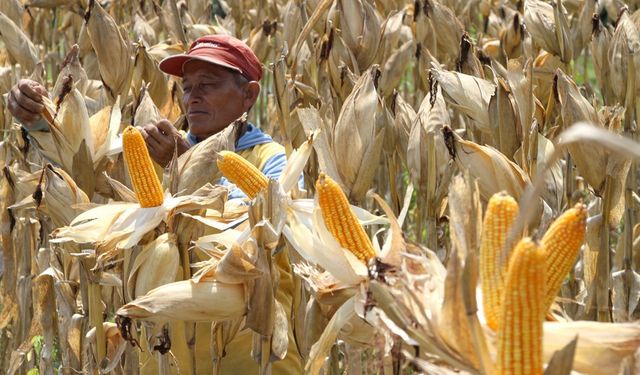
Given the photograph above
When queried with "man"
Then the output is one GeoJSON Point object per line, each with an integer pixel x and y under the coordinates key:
{"type": "Point", "coordinates": [220, 79]}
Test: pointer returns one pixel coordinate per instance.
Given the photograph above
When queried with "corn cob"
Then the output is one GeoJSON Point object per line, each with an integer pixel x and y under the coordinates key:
{"type": "Point", "coordinates": [242, 173]}
{"type": "Point", "coordinates": [501, 212]}
{"type": "Point", "coordinates": [341, 221]}
{"type": "Point", "coordinates": [561, 244]}
{"type": "Point", "coordinates": [522, 315]}
{"type": "Point", "coordinates": [143, 176]}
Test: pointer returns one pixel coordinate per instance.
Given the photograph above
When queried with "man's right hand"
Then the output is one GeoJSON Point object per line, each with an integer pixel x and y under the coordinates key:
{"type": "Point", "coordinates": [161, 138]}
{"type": "Point", "coordinates": [25, 102]}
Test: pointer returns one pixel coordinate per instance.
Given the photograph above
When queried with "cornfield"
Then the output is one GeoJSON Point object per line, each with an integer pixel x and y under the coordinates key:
{"type": "Point", "coordinates": [470, 200]}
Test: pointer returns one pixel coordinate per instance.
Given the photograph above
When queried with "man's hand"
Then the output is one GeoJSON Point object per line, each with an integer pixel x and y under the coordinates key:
{"type": "Point", "coordinates": [161, 139]}
{"type": "Point", "coordinates": [25, 102]}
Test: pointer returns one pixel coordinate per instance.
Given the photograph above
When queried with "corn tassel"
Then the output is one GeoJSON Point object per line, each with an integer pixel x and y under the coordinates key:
{"type": "Point", "coordinates": [242, 173]}
{"type": "Point", "coordinates": [143, 176]}
{"type": "Point", "coordinates": [341, 221]}
{"type": "Point", "coordinates": [502, 210]}
{"type": "Point", "coordinates": [521, 314]}
{"type": "Point", "coordinates": [561, 244]}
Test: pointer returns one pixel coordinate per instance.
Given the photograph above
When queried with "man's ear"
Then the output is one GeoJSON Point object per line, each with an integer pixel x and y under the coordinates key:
{"type": "Point", "coordinates": [251, 92]}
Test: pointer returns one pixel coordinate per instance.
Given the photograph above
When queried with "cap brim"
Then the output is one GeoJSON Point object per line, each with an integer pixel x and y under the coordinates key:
{"type": "Point", "coordinates": [174, 64]}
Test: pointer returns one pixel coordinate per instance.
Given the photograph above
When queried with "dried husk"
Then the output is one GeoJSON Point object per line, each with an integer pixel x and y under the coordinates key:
{"type": "Point", "coordinates": [146, 71]}
{"type": "Point", "coordinates": [60, 195]}
{"type": "Point", "coordinates": [360, 25]}
{"type": "Point", "coordinates": [157, 264]}
{"type": "Point", "coordinates": [599, 49]}
{"type": "Point", "coordinates": [447, 29]}
{"type": "Point", "coordinates": [602, 347]}
{"type": "Point", "coordinates": [625, 45]}
{"type": "Point", "coordinates": [143, 31]}
{"type": "Point", "coordinates": [71, 66]}
{"type": "Point", "coordinates": [431, 117]}
{"type": "Point", "coordinates": [18, 44]}
{"type": "Point", "coordinates": [394, 68]}
{"type": "Point", "coordinates": [146, 112]}
{"type": "Point", "coordinates": [195, 167]}
{"type": "Point", "coordinates": [548, 29]}
{"type": "Point", "coordinates": [470, 95]}
{"type": "Point", "coordinates": [494, 171]}
{"type": "Point", "coordinates": [403, 119]}
{"type": "Point", "coordinates": [203, 301]}
{"type": "Point", "coordinates": [358, 135]}
{"type": "Point", "coordinates": [591, 161]}
{"type": "Point", "coordinates": [505, 120]}
{"type": "Point", "coordinates": [112, 50]}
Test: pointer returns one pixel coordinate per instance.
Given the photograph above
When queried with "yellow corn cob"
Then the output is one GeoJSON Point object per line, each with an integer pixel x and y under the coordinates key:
{"type": "Point", "coordinates": [522, 315]}
{"type": "Point", "coordinates": [561, 244]}
{"type": "Point", "coordinates": [143, 176]}
{"type": "Point", "coordinates": [501, 212]}
{"type": "Point", "coordinates": [341, 221]}
{"type": "Point", "coordinates": [239, 171]}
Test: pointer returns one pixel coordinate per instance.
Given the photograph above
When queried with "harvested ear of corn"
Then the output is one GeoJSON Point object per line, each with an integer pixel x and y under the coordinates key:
{"type": "Point", "coordinates": [143, 176]}
{"type": "Point", "coordinates": [341, 221]}
{"type": "Point", "coordinates": [242, 173]}
{"type": "Point", "coordinates": [561, 244]}
{"type": "Point", "coordinates": [501, 213]}
{"type": "Point", "coordinates": [187, 300]}
{"type": "Point", "coordinates": [157, 264]}
{"type": "Point", "coordinates": [521, 313]}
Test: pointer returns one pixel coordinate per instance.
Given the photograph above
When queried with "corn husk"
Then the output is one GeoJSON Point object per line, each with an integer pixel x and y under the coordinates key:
{"type": "Point", "coordinates": [60, 195]}
{"type": "Point", "coordinates": [575, 108]}
{"type": "Point", "coordinates": [187, 300]}
{"type": "Point", "coordinates": [145, 71]}
{"type": "Point", "coordinates": [360, 150]}
{"type": "Point", "coordinates": [431, 117]}
{"type": "Point", "coordinates": [625, 43]}
{"type": "Point", "coordinates": [494, 171]}
{"type": "Point", "coordinates": [195, 168]}
{"type": "Point", "coordinates": [470, 95]}
{"type": "Point", "coordinates": [71, 66]}
{"type": "Point", "coordinates": [157, 264]}
{"type": "Point", "coordinates": [360, 25]}
{"type": "Point", "coordinates": [393, 70]}
{"type": "Point", "coordinates": [13, 9]}
{"type": "Point", "coordinates": [115, 345]}
{"type": "Point", "coordinates": [146, 111]}
{"type": "Point", "coordinates": [112, 50]}
{"type": "Point", "coordinates": [549, 27]}
{"type": "Point", "coordinates": [18, 44]}
{"type": "Point", "coordinates": [447, 29]}
{"type": "Point", "coordinates": [143, 31]}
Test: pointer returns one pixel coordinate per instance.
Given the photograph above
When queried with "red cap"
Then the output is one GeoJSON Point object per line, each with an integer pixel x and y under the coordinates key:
{"type": "Point", "coordinates": [223, 50]}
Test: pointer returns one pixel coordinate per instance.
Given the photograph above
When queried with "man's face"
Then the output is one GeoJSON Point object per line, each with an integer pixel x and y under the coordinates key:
{"type": "Point", "coordinates": [214, 97]}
